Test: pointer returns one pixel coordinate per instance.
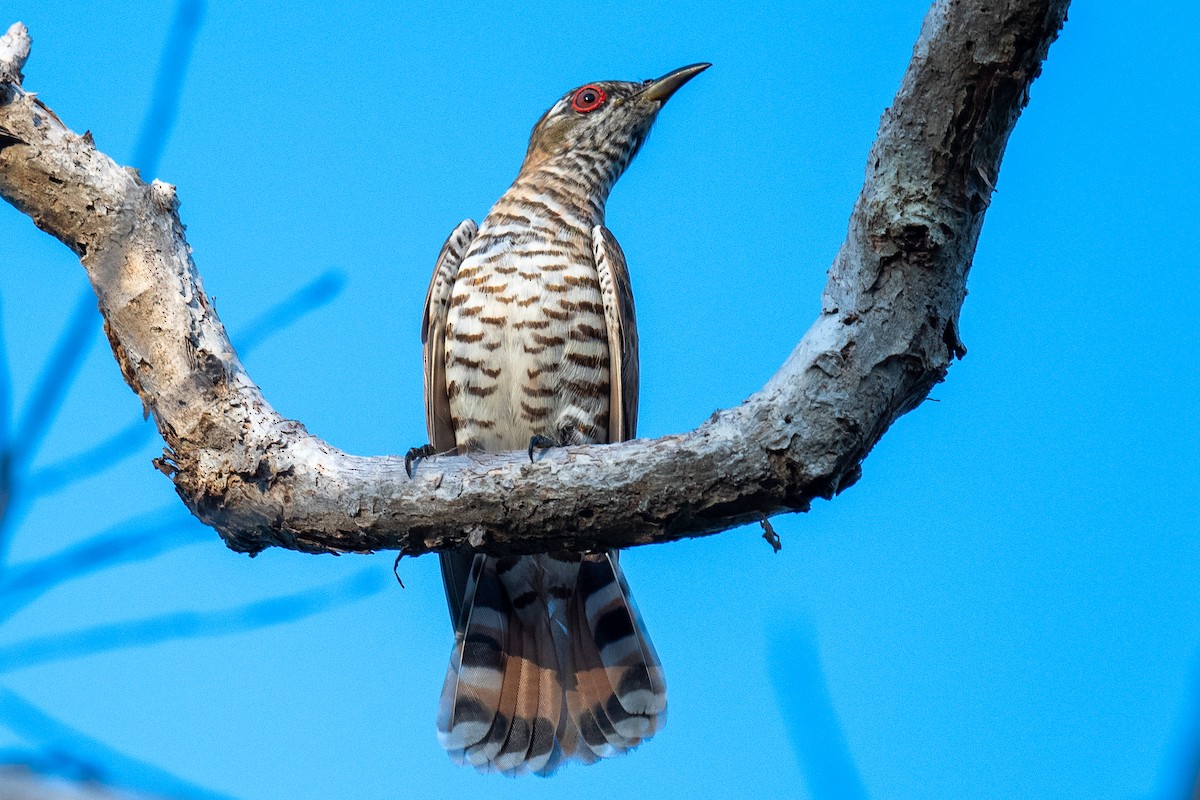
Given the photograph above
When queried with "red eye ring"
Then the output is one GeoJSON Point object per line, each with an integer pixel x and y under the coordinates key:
{"type": "Point", "coordinates": [588, 98]}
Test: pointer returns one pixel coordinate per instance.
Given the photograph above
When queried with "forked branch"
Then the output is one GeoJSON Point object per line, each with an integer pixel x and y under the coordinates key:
{"type": "Point", "coordinates": [886, 334]}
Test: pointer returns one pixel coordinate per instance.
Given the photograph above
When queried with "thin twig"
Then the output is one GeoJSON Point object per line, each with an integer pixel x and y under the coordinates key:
{"type": "Point", "coordinates": [770, 535]}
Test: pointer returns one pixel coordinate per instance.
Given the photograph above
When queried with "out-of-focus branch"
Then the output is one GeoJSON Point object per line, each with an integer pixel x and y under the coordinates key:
{"type": "Point", "coordinates": [6, 486]}
{"type": "Point", "coordinates": [98, 458]}
{"type": "Point", "coordinates": [118, 770]}
{"type": "Point", "coordinates": [319, 292]}
{"type": "Point", "coordinates": [56, 377]}
{"type": "Point", "coordinates": [168, 85]}
{"type": "Point", "coordinates": [42, 776]}
{"type": "Point", "coordinates": [132, 540]}
{"type": "Point", "coordinates": [43, 406]}
{"type": "Point", "coordinates": [189, 624]}
{"type": "Point", "coordinates": [812, 722]}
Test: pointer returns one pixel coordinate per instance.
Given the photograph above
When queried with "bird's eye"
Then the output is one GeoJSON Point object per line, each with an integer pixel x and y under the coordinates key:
{"type": "Point", "coordinates": [589, 98]}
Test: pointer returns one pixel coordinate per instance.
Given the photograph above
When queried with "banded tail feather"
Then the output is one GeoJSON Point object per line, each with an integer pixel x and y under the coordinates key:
{"type": "Point", "coordinates": [477, 666]}
{"type": "Point", "coordinates": [625, 652]}
{"type": "Point", "coordinates": [570, 676]}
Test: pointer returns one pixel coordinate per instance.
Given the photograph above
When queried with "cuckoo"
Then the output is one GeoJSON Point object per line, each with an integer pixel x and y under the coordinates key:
{"type": "Point", "coordinates": [530, 342]}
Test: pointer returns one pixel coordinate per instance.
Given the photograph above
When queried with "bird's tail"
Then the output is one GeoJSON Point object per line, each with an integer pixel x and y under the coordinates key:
{"type": "Point", "coordinates": [538, 678]}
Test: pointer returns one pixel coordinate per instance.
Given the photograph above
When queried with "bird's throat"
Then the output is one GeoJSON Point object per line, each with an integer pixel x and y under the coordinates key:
{"type": "Point", "coordinates": [564, 188]}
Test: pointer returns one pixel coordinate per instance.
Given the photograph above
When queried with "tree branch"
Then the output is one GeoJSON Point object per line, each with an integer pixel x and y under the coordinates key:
{"type": "Point", "coordinates": [887, 333]}
{"type": "Point", "coordinates": [49, 479]}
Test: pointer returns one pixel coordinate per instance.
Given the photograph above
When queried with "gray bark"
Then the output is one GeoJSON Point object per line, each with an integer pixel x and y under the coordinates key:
{"type": "Point", "coordinates": [886, 334]}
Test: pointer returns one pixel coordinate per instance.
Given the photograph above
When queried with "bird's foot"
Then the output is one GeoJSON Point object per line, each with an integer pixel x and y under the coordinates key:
{"type": "Point", "coordinates": [414, 455]}
{"type": "Point", "coordinates": [540, 442]}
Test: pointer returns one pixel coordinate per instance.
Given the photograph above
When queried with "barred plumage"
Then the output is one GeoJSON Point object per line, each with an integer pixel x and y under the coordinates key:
{"type": "Point", "coordinates": [529, 331]}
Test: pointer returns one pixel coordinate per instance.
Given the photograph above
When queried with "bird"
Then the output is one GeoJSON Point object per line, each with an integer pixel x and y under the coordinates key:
{"type": "Point", "coordinates": [530, 341]}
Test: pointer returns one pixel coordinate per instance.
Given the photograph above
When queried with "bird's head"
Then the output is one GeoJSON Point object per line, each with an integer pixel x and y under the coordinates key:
{"type": "Point", "coordinates": [598, 128]}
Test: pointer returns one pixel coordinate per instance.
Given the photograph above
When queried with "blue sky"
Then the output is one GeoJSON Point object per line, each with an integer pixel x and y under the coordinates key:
{"type": "Point", "coordinates": [1007, 605]}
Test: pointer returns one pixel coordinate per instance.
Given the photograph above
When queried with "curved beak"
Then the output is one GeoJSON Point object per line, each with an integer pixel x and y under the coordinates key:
{"type": "Point", "coordinates": [662, 89]}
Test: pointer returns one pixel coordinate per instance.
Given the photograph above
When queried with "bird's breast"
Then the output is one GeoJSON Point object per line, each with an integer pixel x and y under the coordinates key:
{"type": "Point", "coordinates": [526, 346]}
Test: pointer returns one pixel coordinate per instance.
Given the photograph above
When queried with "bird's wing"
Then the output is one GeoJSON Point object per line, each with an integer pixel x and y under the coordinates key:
{"type": "Point", "coordinates": [621, 323]}
{"type": "Point", "coordinates": [433, 335]}
{"type": "Point", "coordinates": [455, 566]}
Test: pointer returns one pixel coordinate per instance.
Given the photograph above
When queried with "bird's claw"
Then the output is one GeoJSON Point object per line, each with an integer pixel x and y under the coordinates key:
{"type": "Point", "coordinates": [540, 442]}
{"type": "Point", "coordinates": [414, 455]}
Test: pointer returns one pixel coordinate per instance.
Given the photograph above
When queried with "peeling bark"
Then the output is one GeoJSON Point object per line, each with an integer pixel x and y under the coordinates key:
{"type": "Point", "coordinates": [887, 333]}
